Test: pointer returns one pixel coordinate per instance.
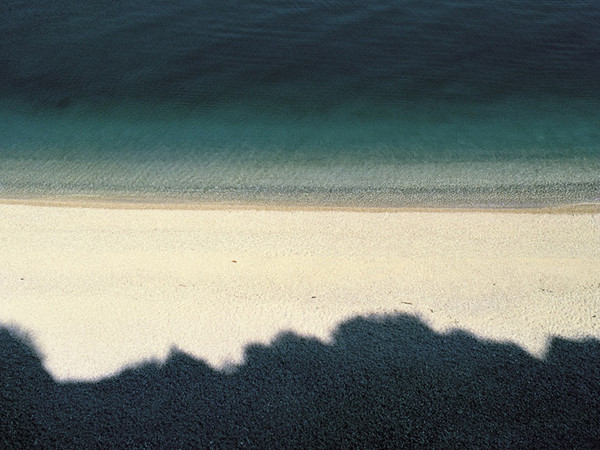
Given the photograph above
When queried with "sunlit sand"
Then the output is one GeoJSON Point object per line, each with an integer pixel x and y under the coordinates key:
{"type": "Point", "coordinates": [100, 289]}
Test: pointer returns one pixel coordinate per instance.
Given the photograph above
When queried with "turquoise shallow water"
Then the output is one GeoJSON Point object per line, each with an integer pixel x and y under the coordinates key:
{"type": "Point", "coordinates": [508, 154]}
{"type": "Point", "coordinates": [327, 103]}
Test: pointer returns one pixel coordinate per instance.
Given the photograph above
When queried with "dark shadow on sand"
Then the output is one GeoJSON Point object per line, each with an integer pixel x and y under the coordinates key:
{"type": "Point", "coordinates": [382, 383]}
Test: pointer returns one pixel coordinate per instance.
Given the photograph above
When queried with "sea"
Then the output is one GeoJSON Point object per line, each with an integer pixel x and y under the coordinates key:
{"type": "Point", "coordinates": [382, 103]}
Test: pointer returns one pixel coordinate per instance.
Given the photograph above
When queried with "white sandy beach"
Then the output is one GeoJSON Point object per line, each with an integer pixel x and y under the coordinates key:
{"type": "Point", "coordinates": [102, 288]}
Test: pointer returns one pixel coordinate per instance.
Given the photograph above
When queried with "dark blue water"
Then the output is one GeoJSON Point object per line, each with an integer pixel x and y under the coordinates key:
{"type": "Point", "coordinates": [386, 103]}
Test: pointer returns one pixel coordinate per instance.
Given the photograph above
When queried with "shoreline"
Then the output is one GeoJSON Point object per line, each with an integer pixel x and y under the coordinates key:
{"type": "Point", "coordinates": [140, 203]}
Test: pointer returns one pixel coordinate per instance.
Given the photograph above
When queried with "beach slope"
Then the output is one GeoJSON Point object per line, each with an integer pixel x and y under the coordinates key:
{"type": "Point", "coordinates": [99, 289]}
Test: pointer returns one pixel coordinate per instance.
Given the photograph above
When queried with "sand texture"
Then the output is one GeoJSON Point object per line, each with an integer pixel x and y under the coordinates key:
{"type": "Point", "coordinates": [100, 289]}
{"type": "Point", "coordinates": [241, 328]}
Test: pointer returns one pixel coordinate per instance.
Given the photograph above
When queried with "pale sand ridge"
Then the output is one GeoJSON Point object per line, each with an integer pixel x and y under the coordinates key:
{"type": "Point", "coordinates": [102, 288]}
